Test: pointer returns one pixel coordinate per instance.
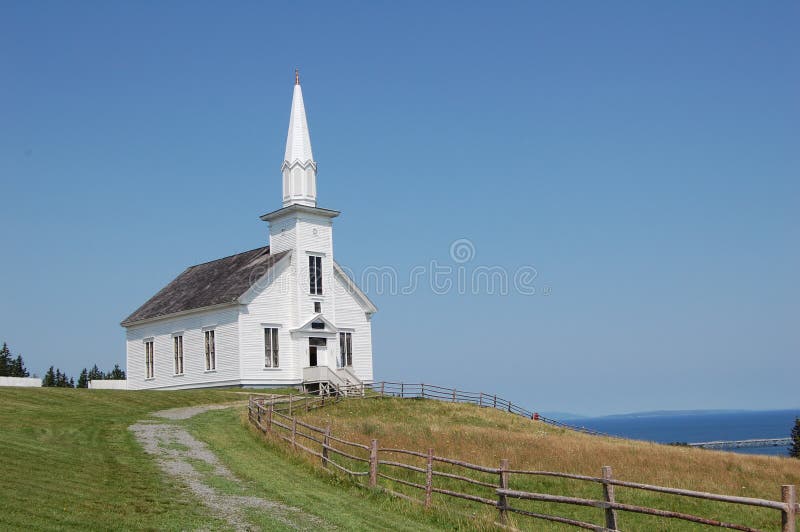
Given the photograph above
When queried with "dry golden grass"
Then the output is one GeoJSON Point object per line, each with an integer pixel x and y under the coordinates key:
{"type": "Point", "coordinates": [484, 436]}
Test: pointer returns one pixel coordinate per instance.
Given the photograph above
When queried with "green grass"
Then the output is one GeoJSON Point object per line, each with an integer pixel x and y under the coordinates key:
{"type": "Point", "coordinates": [272, 472]}
{"type": "Point", "coordinates": [69, 462]}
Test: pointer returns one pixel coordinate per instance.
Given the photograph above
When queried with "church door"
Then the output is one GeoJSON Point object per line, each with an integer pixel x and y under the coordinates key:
{"type": "Point", "coordinates": [316, 350]}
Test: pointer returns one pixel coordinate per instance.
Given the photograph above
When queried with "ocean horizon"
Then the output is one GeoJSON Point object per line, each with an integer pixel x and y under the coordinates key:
{"type": "Point", "coordinates": [699, 426]}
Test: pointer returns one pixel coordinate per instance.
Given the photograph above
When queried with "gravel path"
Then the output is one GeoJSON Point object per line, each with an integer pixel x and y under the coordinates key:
{"type": "Point", "coordinates": [178, 454]}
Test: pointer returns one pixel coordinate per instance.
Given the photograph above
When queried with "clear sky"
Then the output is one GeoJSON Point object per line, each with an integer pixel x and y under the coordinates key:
{"type": "Point", "coordinates": [643, 157]}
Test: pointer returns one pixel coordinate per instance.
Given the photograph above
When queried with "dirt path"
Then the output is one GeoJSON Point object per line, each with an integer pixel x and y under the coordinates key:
{"type": "Point", "coordinates": [188, 460]}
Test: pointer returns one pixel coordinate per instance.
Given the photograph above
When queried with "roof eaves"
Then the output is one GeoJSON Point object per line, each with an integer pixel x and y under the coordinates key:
{"type": "Point", "coordinates": [366, 303]}
{"type": "Point", "coordinates": [128, 323]}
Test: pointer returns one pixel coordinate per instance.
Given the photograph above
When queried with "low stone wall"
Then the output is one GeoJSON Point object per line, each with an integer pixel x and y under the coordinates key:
{"type": "Point", "coordinates": [25, 382]}
{"type": "Point", "coordinates": [118, 384]}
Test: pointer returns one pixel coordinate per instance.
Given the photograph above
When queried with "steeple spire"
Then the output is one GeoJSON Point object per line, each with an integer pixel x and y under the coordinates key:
{"type": "Point", "coordinates": [299, 168]}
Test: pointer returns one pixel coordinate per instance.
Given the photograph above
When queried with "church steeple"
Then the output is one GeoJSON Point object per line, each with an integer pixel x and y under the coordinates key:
{"type": "Point", "coordinates": [299, 168]}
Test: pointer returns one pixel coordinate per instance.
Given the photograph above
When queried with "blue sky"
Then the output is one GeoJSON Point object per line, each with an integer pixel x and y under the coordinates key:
{"type": "Point", "coordinates": [643, 157]}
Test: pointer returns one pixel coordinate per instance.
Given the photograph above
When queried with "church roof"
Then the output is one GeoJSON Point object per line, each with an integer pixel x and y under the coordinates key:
{"type": "Point", "coordinates": [218, 282]}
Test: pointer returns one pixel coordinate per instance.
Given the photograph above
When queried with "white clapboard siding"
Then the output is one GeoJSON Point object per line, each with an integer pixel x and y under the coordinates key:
{"type": "Point", "coordinates": [282, 235]}
{"type": "Point", "coordinates": [271, 303]}
{"type": "Point", "coordinates": [225, 322]}
{"type": "Point", "coordinates": [351, 315]}
{"type": "Point", "coordinates": [310, 243]}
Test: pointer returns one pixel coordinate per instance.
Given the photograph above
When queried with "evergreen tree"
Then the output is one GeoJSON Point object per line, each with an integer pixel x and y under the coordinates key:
{"type": "Point", "coordinates": [60, 379]}
{"type": "Point", "coordinates": [116, 373]}
{"type": "Point", "coordinates": [5, 361]}
{"type": "Point", "coordinates": [83, 379]}
{"type": "Point", "coordinates": [49, 378]}
{"type": "Point", "coordinates": [18, 368]}
{"type": "Point", "coordinates": [95, 374]}
{"type": "Point", "coordinates": [794, 447]}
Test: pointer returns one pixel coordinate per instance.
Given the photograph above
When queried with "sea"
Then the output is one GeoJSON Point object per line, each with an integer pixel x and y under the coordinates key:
{"type": "Point", "coordinates": [699, 426]}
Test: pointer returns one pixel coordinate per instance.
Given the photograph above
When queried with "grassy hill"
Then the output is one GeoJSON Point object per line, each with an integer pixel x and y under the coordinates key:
{"type": "Point", "coordinates": [69, 462]}
{"type": "Point", "coordinates": [485, 436]}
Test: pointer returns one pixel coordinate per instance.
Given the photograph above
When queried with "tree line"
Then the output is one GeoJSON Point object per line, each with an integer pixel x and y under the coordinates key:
{"type": "Point", "coordinates": [54, 377]}
{"type": "Point", "coordinates": [10, 366]}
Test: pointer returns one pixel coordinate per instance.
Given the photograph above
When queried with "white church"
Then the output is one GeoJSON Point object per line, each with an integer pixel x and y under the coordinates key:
{"type": "Point", "coordinates": [281, 315]}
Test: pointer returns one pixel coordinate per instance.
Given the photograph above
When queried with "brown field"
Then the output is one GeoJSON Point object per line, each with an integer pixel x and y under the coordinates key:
{"type": "Point", "coordinates": [485, 436]}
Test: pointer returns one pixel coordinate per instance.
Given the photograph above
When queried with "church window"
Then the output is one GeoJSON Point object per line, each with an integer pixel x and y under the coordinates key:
{"type": "Point", "coordinates": [148, 359]}
{"type": "Point", "coordinates": [177, 348]}
{"type": "Point", "coordinates": [315, 274]}
{"type": "Point", "coordinates": [345, 349]}
{"type": "Point", "coordinates": [211, 351]}
{"type": "Point", "coordinates": [270, 347]}
{"type": "Point", "coordinates": [317, 325]}
{"type": "Point", "coordinates": [317, 307]}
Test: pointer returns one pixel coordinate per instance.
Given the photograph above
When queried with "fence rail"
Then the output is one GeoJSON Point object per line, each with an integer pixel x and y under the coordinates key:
{"type": "Point", "coordinates": [431, 391]}
{"type": "Point", "coordinates": [382, 466]}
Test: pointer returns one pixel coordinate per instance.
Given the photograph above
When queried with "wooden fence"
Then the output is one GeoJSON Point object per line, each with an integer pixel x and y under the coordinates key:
{"type": "Point", "coordinates": [379, 466]}
{"type": "Point", "coordinates": [440, 393]}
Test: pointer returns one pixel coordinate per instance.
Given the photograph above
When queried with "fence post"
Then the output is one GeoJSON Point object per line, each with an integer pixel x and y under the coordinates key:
{"type": "Point", "coordinates": [608, 494]}
{"type": "Point", "coordinates": [495, 401]}
{"type": "Point", "coordinates": [290, 405]}
{"type": "Point", "coordinates": [269, 416]}
{"type": "Point", "coordinates": [429, 479]}
{"type": "Point", "coordinates": [423, 390]}
{"type": "Point", "coordinates": [454, 395]}
{"type": "Point", "coordinates": [502, 500]}
{"type": "Point", "coordinates": [294, 433]}
{"type": "Point", "coordinates": [325, 443]}
{"type": "Point", "coordinates": [480, 399]}
{"type": "Point", "coordinates": [373, 464]}
{"type": "Point", "coordinates": [382, 385]}
{"type": "Point", "coordinates": [402, 389]}
{"type": "Point", "coordinates": [307, 406]}
{"type": "Point", "coordinates": [258, 417]}
{"type": "Point", "coordinates": [789, 514]}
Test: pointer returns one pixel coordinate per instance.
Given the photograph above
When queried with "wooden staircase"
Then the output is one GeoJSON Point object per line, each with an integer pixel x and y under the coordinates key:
{"type": "Point", "coordinates": [325, 381]}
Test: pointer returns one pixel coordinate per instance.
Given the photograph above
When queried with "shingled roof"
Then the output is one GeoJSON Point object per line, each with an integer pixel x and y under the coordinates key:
{"type": "Point", "coordinates": [206, 285]}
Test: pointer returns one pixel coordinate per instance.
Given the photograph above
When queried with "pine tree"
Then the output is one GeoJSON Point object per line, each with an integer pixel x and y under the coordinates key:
{"type": "Point", "coordinates": [83, 379]}
{"type": "Point", "coordinates": [5, 361]}
{"type": "Point", "coordinates": [18, 368]}
{"type": "Point", "coordinates": [49, 378]}
{"type": "Point", "coordinates": [794, 447]}
{"type": "Point", "coordinates": [95, 374]}
{"type": "Point", "coordinates": [116, 373]}
{"type": "Point", "coordinates": [62, 380]}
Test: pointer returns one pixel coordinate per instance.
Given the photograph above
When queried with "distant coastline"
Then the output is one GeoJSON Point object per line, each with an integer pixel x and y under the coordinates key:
{"type": "Point", "coordinates": [698, 425]}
